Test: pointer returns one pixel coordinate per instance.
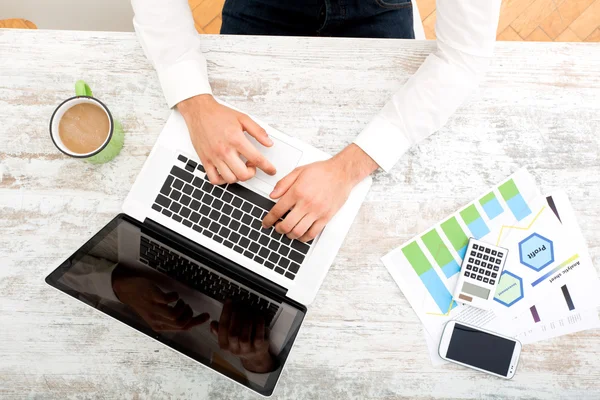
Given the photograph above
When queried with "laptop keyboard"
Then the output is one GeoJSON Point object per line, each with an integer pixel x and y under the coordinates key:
{"type": "Point", "coordinates": [205, 281]}
{"type": "Point", "coordinates": [229, 214]}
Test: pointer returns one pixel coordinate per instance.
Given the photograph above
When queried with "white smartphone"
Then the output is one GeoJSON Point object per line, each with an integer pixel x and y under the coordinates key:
{"type": "Point", "coordinates": [479, 349]}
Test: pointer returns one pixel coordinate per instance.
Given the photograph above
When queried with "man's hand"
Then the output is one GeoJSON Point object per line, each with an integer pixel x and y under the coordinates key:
{"type": "Point", "coordinates": [313, 193]}
{"type": "Point", "coordinates": [244, 335]}
{"type": "Point", "coordinates": [152, 304]}
{"type": "Point", "coordinates": [217, 133]}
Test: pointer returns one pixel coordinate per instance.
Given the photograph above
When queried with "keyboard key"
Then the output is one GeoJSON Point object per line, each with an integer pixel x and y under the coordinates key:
{"type": "Point", "coordinates": [182, 158]}
{"type": "Point", "coordinates": [244, 242]}
{"type": "Point", "coordinates": [218, 239]}
{"type": "Point", "coordinates": [224, 232]}
{"type": "Point", "coordinates": [477, 262]}
{"type": "Point", "coordinates": [286, 240]}
{"type": "Point", "coordinates": [227, 209]}
{"type": "Point", "coordinates": [197, 194]}
{"type": "Point", "coordinates": [256, 224]}
{"type": "Point", "coordinates": [238, 249]}
{"type": "Point", "coordinates": [175, 195]}
{"type": "Point", "coordinates": [243, 230]}
{"type": "Point", "coordinates": [290, 275]}
{"type": "Point", "coordinates": [256, 212]}
{"type": "Point", "coordinates": [207, 233]}
{"type": "Point", "coordinates": [486, 258]}
{"type": "Point", "coordinates": [217, 191]}
{"type": "Point", "coordinates": [237, 215]}
{"type": "Point", "coordinates": [237, 202]}
{"type": "Point", "coordinates": [492, 259]}
{"type": "Point", "coordinates": [185, 200]}
{"type": "Point", "coordinates": [294, 267]}
{"type": "Point", "coordinates": [188, 189]}
{"type": "Point", "coordinates": [185, 212]}
{"type": "Point", "coordinates": [234, 237]}
{"type": "Point", "coordinates": [195, 217]}
{"type": "Point", "coordinates": [247, 207]}
{"type": "Point", "coordinates": [483, 264]}
{"type": "Point", "coordinates": [301, 247]}
{"type": "Point", "coordinates": [205, 210]}
{"type": "Point", "coordinates": [254, 235]}
{"type": "Point", "coordinates": [156, 207]}
{"type": "Point", "coordinates": [192, 163]}
{"type": "Point", "coordinates": [500, 254]}
{"type": "Point", "coordinates": [178, 184]}
{"type": "Point", "coordinates": [264, 240]}
{"type": "Point", "coordinates": [201, 168]}
{"type": "Point", "coordinates": [274, 257]}
{"type": "Point", "coordinates": [259, 260]}
{"type": "Point", "coordinates": [163, 201]}
{"type": "Point", "coordinates": [235, 226]}
{"type": "Point", "coordinates": [205, 222]}
{"type": "Point", "coordinates": [176, 217]}
{"type": "Point", "coordinates": [197, 228]}
{"type": "Point", "coordinates": [284, 250]}
{"type": "Point", "coordinates": [228, 244]}
{"type": "Point", "coordinates": [217, 204]}
{"type": "Point", "coordinates": [167, 212]}
{"type": "Point", "coordinates": [247, 219]}
{"type": "Point", "coordinates": [181, 174]}
{"type": "Point", "coordinates": [284, 262]}
{"type": "Point", "coordinates": [251, 196]}
{"type": "Point", "coordinates": [207, 199]}
{"type": "Point", "coordinates": [264, 252]}
{"type": "Point", "coordinates": [227, 197]}
{"type": "Point", "coordinates": [274, 245]}
{"type": "Point", "coordinates": [254, 247]}
{"type": "Point", "coordinates": [224, 220]}
{"type": "Point", "coordinates": [295, 256]}
{"type": "Point", "coordinates": [187, 223]}
{"type": "Point", "coordinates": [198, 182]}
{"type": "Point", "coordinates": [166, 188]}
{"type": "Point", "coordinates": [175, 207]}
{"type": "Point", "coordinates": [269, 265]}
{"type": "Point", "coordinates": [215, 215]}
{"type": "Point", "coordinates": [275, 235]}
{"type": "Point", "coordinates": [248, 254]}
{"type": "Point", "coordinates": [214, 227]}
{"type": "Point", "coordinates": [207, 186]}
{"type": "Point", "coordinates": [279, 270]}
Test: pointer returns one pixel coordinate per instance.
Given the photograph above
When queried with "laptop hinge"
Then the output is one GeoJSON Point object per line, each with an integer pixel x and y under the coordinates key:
{"type": "Point", "coordinates": [231, 267]}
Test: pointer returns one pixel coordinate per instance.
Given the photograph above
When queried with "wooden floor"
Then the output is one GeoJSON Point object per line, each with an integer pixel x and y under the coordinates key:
{"type": "Point", "coordinates": [535, 20]}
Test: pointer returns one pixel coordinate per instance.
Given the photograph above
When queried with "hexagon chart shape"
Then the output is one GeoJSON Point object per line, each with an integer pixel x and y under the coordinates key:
{"type": "Point", "coordinates": [536, 252]}
{"type": "Point", "coordinates": [509, 289]}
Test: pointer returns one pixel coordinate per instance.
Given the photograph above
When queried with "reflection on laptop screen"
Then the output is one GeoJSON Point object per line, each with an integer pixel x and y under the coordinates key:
{"type": "Point", "coordinates": [195, 308]}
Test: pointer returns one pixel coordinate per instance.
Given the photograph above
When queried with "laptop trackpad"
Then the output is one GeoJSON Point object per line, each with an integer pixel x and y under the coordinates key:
{"type": "Point", "coordinates": [282, 155]}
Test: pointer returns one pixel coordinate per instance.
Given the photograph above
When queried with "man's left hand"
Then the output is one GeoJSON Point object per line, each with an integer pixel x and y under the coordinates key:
{"type": "Point", "coordinates": [314, 193]}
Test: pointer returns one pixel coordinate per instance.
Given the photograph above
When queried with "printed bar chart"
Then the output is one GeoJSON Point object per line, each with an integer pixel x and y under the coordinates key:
{"type": "Point", "coordinates": [568, 298]}
{"type": "Point", "coordinates": [474, 222]}
{"type": "Point", "coordinates": [456, 236]}
{"type": "Point", "coordinates": [429, 277]}
{"type": "Point", "coordinates": [510, 193]}
{"type": "Point", "coordinates": [491, 205]}
{"type": "Point", "coordinates": [440, 253]}
{"type": "Point", "coordinates": [534, 314]}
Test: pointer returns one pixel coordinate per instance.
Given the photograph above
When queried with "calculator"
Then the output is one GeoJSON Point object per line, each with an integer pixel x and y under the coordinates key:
{"type": "Point", "coordinates": [479, 274]}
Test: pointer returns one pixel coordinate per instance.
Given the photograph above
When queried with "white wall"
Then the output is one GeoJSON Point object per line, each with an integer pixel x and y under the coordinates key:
{"type": "Point", "coordinates": [92, 15]}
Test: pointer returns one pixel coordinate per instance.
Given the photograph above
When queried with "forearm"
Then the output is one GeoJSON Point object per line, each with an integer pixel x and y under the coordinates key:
{"type": "Point", "coordinates": [355, 163]}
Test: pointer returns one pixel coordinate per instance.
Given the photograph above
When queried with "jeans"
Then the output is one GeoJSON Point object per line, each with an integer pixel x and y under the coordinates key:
{"type": "Point", "coordinates": [342, 18]}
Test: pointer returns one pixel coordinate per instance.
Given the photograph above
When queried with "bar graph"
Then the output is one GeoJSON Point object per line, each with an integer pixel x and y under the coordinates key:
{"type": "Point", "coordinates": [474, 222]}
{"type": "Point", "coordinates": [534, 314]}
{"type": "Point", "coordinates": [440, 253]}
{"type": "Point", "coordinates": [456, 236]}
{"type": "Point", "coordinates": [432, 282]}
{"type": "Point", "coordinates": [568, 298]}
{"type": "Point", "coordinates": [515, 201]}
{"type": "Point", "coordinates": [491, 205]}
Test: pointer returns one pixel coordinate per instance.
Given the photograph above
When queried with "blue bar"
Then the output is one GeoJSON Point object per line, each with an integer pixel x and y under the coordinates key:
{"type": "Point", "coordinates": [450, 269]}
{"type": "Point", "coordinates": [478, 228]}
{"type": "Point", "coordinates": [519, 208]}
{"type": "Point", "coordinates": [437, 290]}
{"type": "Point", "coordinates": [462, 252]}
{"type": "Point", "coordinates": [492, 208]}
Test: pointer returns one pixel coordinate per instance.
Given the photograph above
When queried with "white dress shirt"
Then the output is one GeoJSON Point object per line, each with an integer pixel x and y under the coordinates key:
{"type": "Point", "coordinates": [466, 33]}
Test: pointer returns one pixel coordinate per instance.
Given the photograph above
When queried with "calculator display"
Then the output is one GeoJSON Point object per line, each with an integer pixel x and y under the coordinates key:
{"type": "Point", "coordinates": [475, 290]}
{"type": "Point", "coordinates": [480, 349]}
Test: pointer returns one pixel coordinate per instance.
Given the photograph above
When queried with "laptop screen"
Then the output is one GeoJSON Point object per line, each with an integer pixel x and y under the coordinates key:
{"type": "Point", "coordinates": [184, 300]}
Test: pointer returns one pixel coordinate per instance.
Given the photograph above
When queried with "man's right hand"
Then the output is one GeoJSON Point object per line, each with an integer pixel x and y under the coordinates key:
{"type": "Point", "coordinates": [217, 133]}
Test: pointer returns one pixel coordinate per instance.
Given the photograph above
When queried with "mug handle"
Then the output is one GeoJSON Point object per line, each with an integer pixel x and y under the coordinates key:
{"type": "Point", "coordinates": [82, 89]}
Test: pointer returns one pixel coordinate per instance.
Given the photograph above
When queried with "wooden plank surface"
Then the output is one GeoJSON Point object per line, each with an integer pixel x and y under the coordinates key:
{"type": "Point", "coordinates": [537, 107]}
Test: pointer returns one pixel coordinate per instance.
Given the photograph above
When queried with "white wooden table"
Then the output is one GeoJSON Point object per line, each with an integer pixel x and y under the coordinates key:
{"type": "Point", "coordinates": [538, 107]}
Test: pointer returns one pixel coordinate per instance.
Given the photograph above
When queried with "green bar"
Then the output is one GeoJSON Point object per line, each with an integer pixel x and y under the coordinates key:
{"type": "Point", "coordinates": [470, 214]}
{"type": "Point", "coordinates": [488, 197]}
{"type": "Point", "coordinates": [508, 190]}
{"type": "Point", "coordinates": [416, 258]}
{"type": "Point", "coordinates": [455, 234]}
{"type": "Point", "coordinates": [437, 248]}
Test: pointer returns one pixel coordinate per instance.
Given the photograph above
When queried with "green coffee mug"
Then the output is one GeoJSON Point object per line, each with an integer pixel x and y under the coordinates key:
{"type": "Point", "coordinates": [112, 145]}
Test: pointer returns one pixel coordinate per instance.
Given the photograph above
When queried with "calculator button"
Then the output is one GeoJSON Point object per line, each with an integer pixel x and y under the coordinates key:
{"type": "Point", "coordinates": [492, 259]}
{"type": "Point", "coordinates": [475, 247]}
{"type": "Point", "coordinates": [494, 274]}
{"type": "Point", "coordinates": [497, 261]}
{"type": "Point", "coordinates": [483, 264]}
{"type": "Point", "coordinates": [471, 260]}
{"type": "Point", "coordinates": [467, 274]}
{"type": "Point", "coordinates": [469, 266]}
{"type": "Point", "coordinates": [485, 280]}
{"type": "Point", "coordinates": [479, 277]}
{"type": "Point", "coordinates": [494, 252]}
{"type": "Point", "coordinates": [487, 250]}
{"type": "Point", "coordinates": [496, 268]}
{"type": "Point", "coordinates": [492, 282]}
{"type": "Point", "coordinates": [485, 258]}
{"type": "Point", "coordinates": [487, 273]}
{"type": "Point", "coordinates": [500, 254]}
{"type": "Point", "coordinates": [477, 262]}
{"type": "Point", "coordinates": [480, 255]}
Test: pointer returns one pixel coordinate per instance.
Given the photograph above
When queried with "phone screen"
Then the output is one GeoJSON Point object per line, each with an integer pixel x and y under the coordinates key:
{"type": "Point", "coordinates": [480, 349]}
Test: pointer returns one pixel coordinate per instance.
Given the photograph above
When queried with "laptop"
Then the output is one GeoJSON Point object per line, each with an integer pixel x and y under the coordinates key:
{"type": "Point", "coordinates": [188, 263]}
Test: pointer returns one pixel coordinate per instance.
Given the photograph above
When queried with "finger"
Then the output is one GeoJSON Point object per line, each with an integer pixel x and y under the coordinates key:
{"type": "Point", "coordinates": [259, 336]}
{"type": "Point", "coordinates": [163, 312]}
{"type": "Point", "coordinates": [291, 220]}
{"type": "Point", "coordinates": [225, 172]}
{"type": "Point", "coordinates": [251, 167]}
{"type": "Point", "coordinates": [278, 211]}
{"type": "Point", "coordinates": [239, 168]}
{"type": "Point", "coordinates": [234, 328]}
{"type": "Point", "coordinates": [224, 322]}
{"type": "Point", "coordinates": [255, 130]}
{"type": "Point", "coordinates": [179, 309]}
{"type": "Point", "coordinates": [197, 320]}
{"type": "Point", "coordinates": [213, 175]}
{"type": "Point", "coordinates": [284, 184]}
{"type": "Point", "coordinates": [255, 158]}
{"type": "Point", "coordinates": [302, 226]}
{"type": "Point", "coordinates": [164, 298]}
{"type": "Point", "coordinates": [314, 230]}
{"type": "Point", "coordinates": [214, 328]}
{"type": "Point", "coordinates": [245, 345]}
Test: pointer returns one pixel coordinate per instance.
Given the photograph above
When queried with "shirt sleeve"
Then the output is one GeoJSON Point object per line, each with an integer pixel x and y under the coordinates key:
{"type": "Point", "coordinates": [165, 29]}
{"type": "Point", "coordinates": [466, 34]}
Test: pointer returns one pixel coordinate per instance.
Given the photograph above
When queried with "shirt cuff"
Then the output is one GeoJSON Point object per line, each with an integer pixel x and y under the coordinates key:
{"type": "Point", "coordinates": [184, 80]}
{"type": "Point", "coordinates": [384, 142]}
